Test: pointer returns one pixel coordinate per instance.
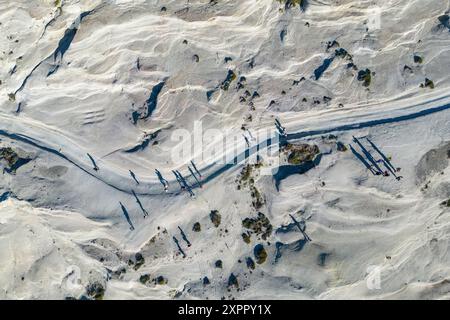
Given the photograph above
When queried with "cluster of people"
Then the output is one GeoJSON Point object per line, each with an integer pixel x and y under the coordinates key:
{"type": "Point", "coordinates": [184, 185]}
{"type": "Point", "coordinates": [183, 235]}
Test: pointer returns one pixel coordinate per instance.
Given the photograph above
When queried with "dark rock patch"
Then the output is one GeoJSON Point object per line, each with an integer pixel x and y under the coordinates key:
{"type": "Point", "coordinates": [260, 254]}
{"type": "Point", "coordinates": [215, 217]}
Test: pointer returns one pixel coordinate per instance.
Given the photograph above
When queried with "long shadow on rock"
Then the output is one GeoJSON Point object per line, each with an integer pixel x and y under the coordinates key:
{"type": "Point", "coordinates": [288, 170]}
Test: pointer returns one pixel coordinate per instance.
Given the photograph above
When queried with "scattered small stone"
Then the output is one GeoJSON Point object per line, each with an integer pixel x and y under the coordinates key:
{"type": "Point", "coordinates": [444, 21]}
{"type": "Point", "coordinates": [139, 261]}
{"type": "Point", "coordinates": [95, 291]}
{"type": "Point", "coordinates": [160, 280]}
{"type": "Point", "coordinates": [365, 76]}
{"type": "Point", "coordinates": [292, 3]}
{"type": "Point", "coordinates": [218, 264]}
{"type": "Point", "coordinates": [144, 278]}
{"type": "Point", "coordinates": [333, 44]}
{"type": "Point", "coordinates": [250, 263]}
{"type": "Point", "coordinates": [260, 225]}
{"type": "Point", "coordinates": [322, 259]}
{"type": "Point", "coordinates": [418, 59]}
{"type": "Point", "coordinates": [11, 159]}
{"type": "Point", "coordinates": [246, 238]}
{"type": "Point", "coordinates": [233, 281]}
{"type": "Point", "coordinates": [428, 84]}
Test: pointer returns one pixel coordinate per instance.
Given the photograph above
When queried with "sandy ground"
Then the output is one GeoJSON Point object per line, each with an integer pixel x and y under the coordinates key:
{"type": "Point", "coordinates": [113, 82]}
